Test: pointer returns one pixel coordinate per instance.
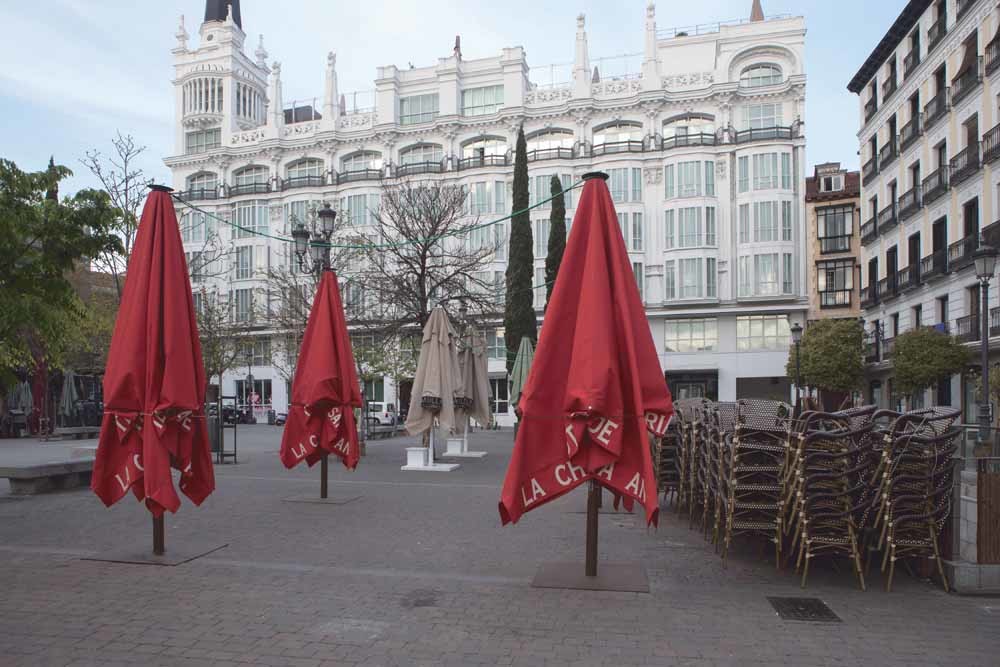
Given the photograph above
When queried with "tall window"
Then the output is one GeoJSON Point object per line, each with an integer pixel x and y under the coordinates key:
{"type": "Point", "coordinates": [765, 221]}
{"type": "Point", "coordinates": [760, 75]}
{"type": "Point", "coordinates": [421, 153]}
{"type": "Point", "coordinates": [638, 233]}
{"type": "Point", "coordinates": [669, 281]}
{"type": "Point", "coordinates": [541, 238]}
{"type": "Point", "coordinates": [244, 262]}
{"type": "Point", "coordinates": [711, 274]}
{"type": "Point", "coordinates": [757, 116]}
{"type": "Point", "coordinates": [356, 209]}
{"type": "Point", "coordinates": [540, 189]}
{"type": "Point", "coordinates": [496, 346]}
{"type": "Point", "coordinates": [744, 223]}
{"type": "Point", "coordinates": [482, 101]}
{"type": "Point", "coordinates": [744, 174]}
{"type": "Point", "coordinates": [709, 178]}
{"type": "Point", "coordinates": [636, 184]}
{"type": "Point", "coordinates": [418, 109]}
{"type": "Point", "coordinates": [786, 273]}
{"type": "Point", "coordinates": [250, 176]}
{"type": "Point", "coordinates": [640, 279]}
{"type": "Point", "coordinates": [243, 305]}
{"type": "Point", "coordinates": [689, 179]}
{"type": "Point", "coordinates": [835, 282]}
{"type": "Point", "coordinates": [691, 278]}
{"type": "Point", "coordinates": [202, 140]}
{"type": "Point", "coordinates": [308, 167]}
{"type": "Point", "coordinates": [786, 171]}
{"type": "Point", "coordinates": [618, 133]}
{"type": "Point", "coordinates": [762, 332]}
{"type": "Point", "coordinates": [499, 388]}
{"type": "Point", "coordinates": [480, 198]}
{"type": "Point", "coordinates": [552, 140]}
{"type": "Point", "coordinates": [619, 184]}
{"type": "Point", "coordinates": [746, 284]}
{"type": "Point", "coordinates": [668, 181]}
{"type": "Point", "coordinates": [668, 226]}
{"type": "Point", "coordinates": [786, 221]}
{"type": "Point", "coordinates": [196, 227]}
{"type": "Point", "coordinates": [540, 287]}
{"type": "Point", "coordinates": [204, 183]}
{"type": "Point", "coordinates": [485, 147]}
{"type": "Point", "coordinates": [710, 226]}
{"type": "Point", "coordinates": [691, 335]}
{"type": "Point", "coordinates": [766, 274]}
{"type": "Point", "coordinates": [765, 171]}
{"type": "Point", "coordinates": [834, 227]}
{"type": "Point", "coordinates": [196, 266]}
{"type": "Point", "coordinates": [250, 218]}
{"type": "Point", "coordinates": [362, 161]}
{"type": "Point", "coordinates": [689, 224]}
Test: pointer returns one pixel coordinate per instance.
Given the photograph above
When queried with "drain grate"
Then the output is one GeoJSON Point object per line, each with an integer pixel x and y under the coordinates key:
{"type": "Point", "coordinates": [811, 610]}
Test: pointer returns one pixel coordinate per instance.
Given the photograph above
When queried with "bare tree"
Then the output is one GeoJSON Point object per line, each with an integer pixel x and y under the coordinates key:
{"type": "Point", "coordinates": [126, 185]}
{"type": "Point", "coordinates": [222, 336]}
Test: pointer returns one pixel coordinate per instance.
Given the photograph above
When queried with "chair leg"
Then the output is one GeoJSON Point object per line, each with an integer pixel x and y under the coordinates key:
{"type": "Point", "coordinates": [940, 566]}
{"type": "Point", "coordinates": [892, 568]}
{"type": "Point", "coordinates": [805, 569]}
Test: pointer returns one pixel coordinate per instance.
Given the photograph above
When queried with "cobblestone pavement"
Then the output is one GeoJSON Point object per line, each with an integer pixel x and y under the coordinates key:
{"type": "Point", "coordinates": [416, 570]}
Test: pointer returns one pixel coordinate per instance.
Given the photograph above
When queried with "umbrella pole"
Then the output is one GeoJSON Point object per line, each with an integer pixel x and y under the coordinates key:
{"type": "Point", "coordinates": [430, 447]}
{"type": "Point", "coordinates": [324, 472]}
{"type": "Point", "coordinates": [593, 502]}
{"type": "Point", "coordinates": [465, 435]}
{"type": "Point", "coordinates": [158, 537]}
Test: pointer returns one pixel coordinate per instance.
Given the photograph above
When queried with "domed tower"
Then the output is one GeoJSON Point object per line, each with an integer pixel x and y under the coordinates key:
{"type": "Point", "coordinates": [219, 90]}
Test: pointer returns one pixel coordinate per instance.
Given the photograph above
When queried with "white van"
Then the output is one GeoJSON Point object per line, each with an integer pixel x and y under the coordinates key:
{"type": "Point", "coordinates": [383, 413]}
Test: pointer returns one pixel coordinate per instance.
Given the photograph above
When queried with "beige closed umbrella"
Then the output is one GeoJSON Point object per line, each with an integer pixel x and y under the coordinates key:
{"type": "Point", "coordinates": [437, 381]}
{"type": "Point", "coordinates": [475, 402]}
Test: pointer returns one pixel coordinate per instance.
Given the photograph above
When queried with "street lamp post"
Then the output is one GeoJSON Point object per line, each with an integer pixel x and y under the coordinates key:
{"type": "Point", "coordinates": [797, 339]}
{"type": "Point", "coordinates": [248, 390]}
{"type": "Point", "coordinates": [317, 246]}
{"type": "Point", "coordinates": [986, 261]}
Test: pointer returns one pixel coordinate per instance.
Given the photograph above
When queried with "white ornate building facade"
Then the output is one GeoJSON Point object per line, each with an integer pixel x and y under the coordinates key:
{"type": "Point", "coordinates": [701, 133]}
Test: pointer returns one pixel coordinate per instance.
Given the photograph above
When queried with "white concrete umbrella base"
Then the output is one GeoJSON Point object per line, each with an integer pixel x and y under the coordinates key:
{"type": "Point", "coordinates": [422, 459]}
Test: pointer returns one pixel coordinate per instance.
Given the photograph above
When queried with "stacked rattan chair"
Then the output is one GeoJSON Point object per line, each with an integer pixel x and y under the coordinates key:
{"type": "Point", "coordinates": [666, 459]}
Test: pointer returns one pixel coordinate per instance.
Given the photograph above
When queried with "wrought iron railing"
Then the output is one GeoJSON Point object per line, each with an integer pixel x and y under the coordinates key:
{"type": "Point", "coordinates": [967, 81]}
{"type": "Point", "coordinates": [483, 161]}
{"type": "Point", "coordinates": [889, 86]}
{"type": "Point", "coordinates": [960, 252]}
{"type": "Point", "coordinates": [829, 244]}
{"type": "Point", "coordinates": [936, 184]}
{"type": "Point", "coordinates": [550, 154]}
{"type": "Point", "coordinates": [991, 234]}
{"type": "Point", "coordinates": [835, 298]}
{"type": "Point", "coordinates": [302, 182]}
{"type": "Point", "coordinates": [967, 328]}
{"type": "Point", "coordinates": [888, 153]}
{"type": "Point", "coordinates": [910, 132]}
{"type": "Point", "coordinates": [870, 169]}
{"type": "Point", "coordinates": [683, 140]}
{"type": "Point", "coordinates": [887, 218]}
{"type": "Point", "coordinates": [868, 231]}
{"type": "Point", "coordinates": [965, 163]}
{"type": "Point", "coordinates": [419, 168]}
{"type": "Point", "coordinates": [992, 56]}
{"type": "Point", "coordinates": [629, 146]}
{"type": "Point", "coordinates": [888, 347]}
{"type": "Point", "coordinates": [994, 321]}
{"type": "Point", "coordinates": [910, 62]}
{"type": "Point", "coordinates": [871, 106]}
{"type": "Point", "coordinates": [962, 6]}
{"type": "Point", "coordinates": [908, 277]}
{"type": "Point", "coordinates": [936, 32]}
{"type": "Point", "coordinates": [761, 133]}
{"type": "Point", "coordinates": [249, 189]}
{"type": "Point", "coordinates": [936, 108]}
{"type": "Point", "coordinates": [887, 288]}
{"type": "Point", "coordinates": [869, 295]}
{"type": "Point", "coordinates": [991, 144]}
{"type": "Point", "coordinates": [359, 175]}
{"type": "Point", "coordinates": [909, 202]}
{"type": "Point", "coordinates": [871, 349]}
{"type": "Point", "coordinates": [199, 193]}
{"type": "Point", "coordinates": [934, 265]}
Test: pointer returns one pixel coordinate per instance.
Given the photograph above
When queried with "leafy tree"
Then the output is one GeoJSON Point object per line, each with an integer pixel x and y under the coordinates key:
{"type": "Point", "coordinates": [43, 240]}
{"type": "Point", "coordinates": [832, 355]}
{"type": "Point", "coordinates": [923, 356]}
{"type": "Point", "coordinates": [519, 313]}
{"type": "Point", "coordinates": [557, 237]}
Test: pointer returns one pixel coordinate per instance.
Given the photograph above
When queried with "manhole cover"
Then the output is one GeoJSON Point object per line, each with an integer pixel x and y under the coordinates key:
{"type": "Point", "coordinates": [803, 609]}
{"type": "Point", "coordinates": [419, 598]}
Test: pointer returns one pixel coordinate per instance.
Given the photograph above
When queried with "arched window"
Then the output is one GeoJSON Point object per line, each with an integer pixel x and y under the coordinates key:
{"type": "Point", "coordinates": [692, 129]}
{"type": "Point", "coordinates": [361, 161]}
{"type": "Point", "coordinates": [621, 136]}
{"type": "Point", "coordinates": [421, 153]}
{"type": "Point", "coordinates": [305, 167]}
{"type": "Point", "coordinates": [550, 144]}
{"type": "Point", "coordinates": [252, 179]}
{"type": "Point", "coordinates": [760, 75]}
{"type": "Point", "coordinates": [203, 185]}
{"type": "Point", "coordinates": [484, 147]}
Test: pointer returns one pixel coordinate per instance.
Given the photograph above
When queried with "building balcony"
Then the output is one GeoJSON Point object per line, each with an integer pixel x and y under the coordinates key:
{"type": "Point", "coordinates": [869, 170]}
{"type": "Point", "coordinates": [889, 87]}
{"type": "Point", "coordinates": [936, 33]}
{"type": "Point", "coordinates": [684, 140]}
{"type": "Point", "coordinates": [991, 144]}
{"type": "Point", "coordinates": [550, 154]}
{"type": "Point", "coordinates": [910, 62]}
{"type": "Point", "coordinates": [832, 244]}
{"type": "Point", "coordinates": [249, 189]}
{"type": "Point", "coordinates": [199, 194]}
{"type": "Point", "coordinates": [994, 322]}
{"type": "Point", "coordinates": [887, 288]}
{"type": "Point", "coordinates": [359, 175]}
{"type": "Point", "coordinates": [935, 185]}
{"type": "Point", "coordinates": [965, 164]}
{"type": "Point", "coordinates": [611, 147]}
{"type": "Point", "coordinates": [962, 6]}
{"type": "Point", "coordinates": [909, 277]}
{"type": "Point", "coordinates": [869, 296]}
{"type": "Point", "coordinates": [762, 133]}
{"type": "Point", "coordinates": [871, 349]}
{"type": "Point", "coordinates": [483, 161]}
{"type": "Point", "coordinates": [967, 82]}
{"type": "Point", "coordinates": [887, 218]}
{"type": "Point", "coordinates": [910, 132]}
{"type": "Point", "coordinates": [868, 231]}
{"type": "Point", "coordinates": [936, 108]}
{"type": "Point", "coordinates": [910, 202]}
{"type": "Point", "coordinates": [419, 168]}
{"type": "Point", "coordinates": [888, 153]}
{"type": "Point", "coordinates": [967, 328]}
{"type": "Point", "coordinates": [991, 234]}
{"type": "Point", "coordinates": [871, 106]}
{"type": "Point", "coordinates": [992, 57]}
{"type": "Point", "coordinates": [835, 298]}
{"type": "Point", "coordinates": [302, 182]}
{"type": "Point", "coordinates": [934, 265]}
{"type": "Point", "coordinates": [888, 348]}
{"type": "Point", "coordinates": [960, 252]}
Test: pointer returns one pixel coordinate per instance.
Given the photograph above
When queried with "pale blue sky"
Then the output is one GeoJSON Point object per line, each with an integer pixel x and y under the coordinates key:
{"type": "Point", "coordinates": [72, 72]}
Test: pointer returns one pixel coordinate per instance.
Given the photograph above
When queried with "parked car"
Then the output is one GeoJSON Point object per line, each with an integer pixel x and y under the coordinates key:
{"type": "Point", "coordinates": [280, 418]}
{"type": "Point", "coordinates": [383, 414]}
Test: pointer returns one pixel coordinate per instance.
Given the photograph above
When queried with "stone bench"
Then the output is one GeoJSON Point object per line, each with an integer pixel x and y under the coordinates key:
{"type": "Point", "coordinates": [44, 477]}
{"type": "Point", "coordinates": [75, 432]}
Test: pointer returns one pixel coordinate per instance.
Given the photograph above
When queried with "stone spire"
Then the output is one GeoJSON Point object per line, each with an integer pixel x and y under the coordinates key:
{"type": "Point", "coordinates": [458, 47]}
{"type": "Point", "coordinates": [220, 10]}
{"type": "Point", "coordinates": [756, 12]}
{"type": "Point", "coordinates": [650, 63]}
{"type": "Point", "coordinates": [182, 37]}
{"type": "Point", "coordinates": [581, 60]}
{"type": "Point", "coordinates": [331, 109]}
{"type": "Point", "coordinates": [276, 108]}
{"type": "Point", "coordinates": [596, 76]}
{"type": "Point", "coordinates": [261, 54]}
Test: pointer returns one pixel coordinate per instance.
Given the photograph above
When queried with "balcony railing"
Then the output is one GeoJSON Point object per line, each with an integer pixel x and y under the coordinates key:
{"type": "Point", "coordinates": [936, 32]}
{"type": "Point", "coordinates": [871, 349]}
{"type": "Point", "coordinates": [965, 163]}
{"type": "Point", "coordinates": [869, 296]}
{"type": "Point", "coordinates": [249, 189]}
{"type": "Point", "coordinates": [887, 288]}
{"type": "Point", "coordinates": [962, 6]}
{"type": "Point", "coordinates": [419, 168]}
{"type": "Point", "coordinates": [935, 185]}
{"type": "Point", "coordinates": [889, 86]}
{"type": "Point", "coordinates": [992, 56]}
{"type": "Point", "coordinates": [683, 140]}
{"type": "Point", "coordinates": [887, 218]}
{"type": "Point", "coordinates": [609, 147]}
{"type": "Point", "coordinates": [888, 347]}
{"type": "Point", "coordinates": [967, 82]}
{"type": "Point", "coordinates": [934, 265]}
{"type": "Point", "coordinates": [967, 328]}
{"type": "Point", "coordinates": [359, 175]}
{"type": "Point", "coordinates": [994, 322]}
{"type": "Point", "coordinates": [870, 169]}
{"type": "Point", "coordinates": [991, 234]}
{"type": "Point", "coordinates": [199, 193]}
{"type": "Point", "coordinates": [550, 154]}
{"type": "Point", "coordinates": [761, 133]}
{"type": "Point", "coordinates": [835, 298]}
{"type": "Point", "coordinates": [910, 62]}
{"type": "Point", "coordinates": [868, 232]}
{"type": "Point", "coordinates": [960, 252]}
{"type": "Point", "coordinates": [909, 277]}
{"type": "Point", "coordinates": [910, 132]}
{"type": "Point", "coordinates": [302, 182]}
{"type": "Point", "coordinates": [910, 202]}
{"type": "Point", "coordinates": [888, 153]}
{"type": "Point", "coordinates": [871, 106]}
{"type": "Point", "coordinates": [483, 161]}
{"type": "Point", "coordinates": [991, 144]}
{"type": "Point", "coordinates": [829, 244]}
{"type": "Point", "coordinates": [936, 108]}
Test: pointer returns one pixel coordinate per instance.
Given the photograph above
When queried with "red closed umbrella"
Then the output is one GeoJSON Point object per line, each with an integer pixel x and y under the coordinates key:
{"type": "Point", "coordinates": [325, 388]}
{"type": "Point", "coordinates": [154, 383]}
{"type": "Point", "coordinates": [595, 385]}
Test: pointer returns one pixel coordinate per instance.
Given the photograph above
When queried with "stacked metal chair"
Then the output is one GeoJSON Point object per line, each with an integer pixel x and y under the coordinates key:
{"type": "Point", "coordinates": [688, 414]}
{"type": "Point", "coordinates": [755, 465]}
{"type": "Point", "coordinates": [667, 452]}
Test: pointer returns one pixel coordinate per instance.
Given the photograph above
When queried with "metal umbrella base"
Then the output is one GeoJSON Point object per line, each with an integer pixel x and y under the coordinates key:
{"type": "Point", "coordinates": [186, 552]}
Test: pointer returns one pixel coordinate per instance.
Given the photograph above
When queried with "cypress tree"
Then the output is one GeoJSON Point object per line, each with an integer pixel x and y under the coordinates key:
{"type": "Point", "coordinates": [519, 309]}
{"type": "Point", "coordinates": [557, 237]}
